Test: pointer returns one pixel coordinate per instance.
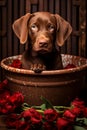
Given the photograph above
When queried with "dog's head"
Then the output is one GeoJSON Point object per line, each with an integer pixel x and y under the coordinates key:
{"type": "Point", "coordinates": [45, 30]}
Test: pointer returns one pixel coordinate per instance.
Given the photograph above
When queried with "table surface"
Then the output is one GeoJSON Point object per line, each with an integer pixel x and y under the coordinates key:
{"type": "Point", "coordinates": [2, 124]}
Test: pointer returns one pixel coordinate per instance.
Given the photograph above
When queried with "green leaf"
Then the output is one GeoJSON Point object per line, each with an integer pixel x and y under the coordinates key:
{"type": "Point", "coordinates": [81, 121]}
{"type": "Point", "coordinates": [46, 104]}
{"type": "Point", "coordinates": [85, 121]}
{"type": "Point", "coordinates": [43, 107]}
{"type": "Point", "coordinates": [79, 128]}
{"type": "Point", "coordinates": [25, 106]}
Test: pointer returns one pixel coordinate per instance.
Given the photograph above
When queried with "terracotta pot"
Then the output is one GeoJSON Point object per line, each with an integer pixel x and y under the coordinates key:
{"type": "Point", "coordinates": [59, 86]}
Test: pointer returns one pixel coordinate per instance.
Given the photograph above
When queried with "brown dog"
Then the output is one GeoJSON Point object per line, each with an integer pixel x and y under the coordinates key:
{"type": "Point", "coordinates": [45, 32]}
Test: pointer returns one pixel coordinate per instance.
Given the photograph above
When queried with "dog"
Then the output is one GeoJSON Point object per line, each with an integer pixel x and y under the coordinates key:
{"type": "Point", "coordinates": [45, 34]}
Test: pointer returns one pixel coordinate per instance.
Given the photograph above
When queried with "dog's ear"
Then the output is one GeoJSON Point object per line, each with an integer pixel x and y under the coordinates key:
{"type": "Point", "coordinates": [63, 30]}
{"type": "Point", "coordinates": [20, 28]}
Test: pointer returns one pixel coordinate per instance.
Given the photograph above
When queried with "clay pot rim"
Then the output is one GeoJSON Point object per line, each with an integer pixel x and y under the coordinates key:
{"type": "Point", "coordinates": [51, 72]}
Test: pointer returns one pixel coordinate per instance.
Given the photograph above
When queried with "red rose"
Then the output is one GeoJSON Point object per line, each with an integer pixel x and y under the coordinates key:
{"type": "Point", "coordinates": [69, 115]}
{"type": "Point", "coordinates": [2, 106]}
{"type": "Point", "coordinates": [79, 112]}
{"type": "Point", "coordinates": [9, 107]}
{"type": "Point", "coordinates": [78, 103]}
{"type": "Point", "coordinates": [3, 84]}
{"type": "Point", "coordinates": [63, 124]}
{"type": "Point", "coordinates": [17, 99]}
{"type": "Point", "coordinates": [2, 102]}
{"type": "Point", "coordinates": [36, 120]}
{"type": "Point", "coordinates": [26, 115]}
{"type": "Point", "coordinates": [3, 110]}
{"type": "Point", "coordinates": [50, 115]}
{"type": "Point", "coordinates": [31, 115]}
{"type": "Point", "coordinates": [36, 117]}
{"type": "Point", "coordinates": [85, 112]}
{"type": "Point", "coordinates": [22, 125]}
{"type": "Point", "coordinates": [5, 95]}
{"type": "Point", "coordinates": [16, 63]}
{"type": "Point", "coordinates": [5, 107]}
{"type": "Point", "coordinates": [70, 66]}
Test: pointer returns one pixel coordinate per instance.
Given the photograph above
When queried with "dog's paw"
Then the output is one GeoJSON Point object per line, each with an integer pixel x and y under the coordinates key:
{"type": "Point", "coordinates": [38, 68]}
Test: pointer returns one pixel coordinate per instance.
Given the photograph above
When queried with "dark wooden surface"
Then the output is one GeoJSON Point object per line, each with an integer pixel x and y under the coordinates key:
{"type": "Point", "coordinates": [2, 124]}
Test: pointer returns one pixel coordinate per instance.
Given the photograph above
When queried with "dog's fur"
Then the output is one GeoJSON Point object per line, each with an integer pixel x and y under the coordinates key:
{"type": "Point", "coordinates": [45, 32]}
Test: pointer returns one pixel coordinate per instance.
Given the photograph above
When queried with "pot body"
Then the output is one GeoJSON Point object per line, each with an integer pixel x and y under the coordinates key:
{"type": "Point", "coordinates": [59, 86]}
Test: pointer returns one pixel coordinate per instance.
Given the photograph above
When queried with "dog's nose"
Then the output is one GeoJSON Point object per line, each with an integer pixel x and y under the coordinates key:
{"type": "Point", "coordinates": [43, 44]}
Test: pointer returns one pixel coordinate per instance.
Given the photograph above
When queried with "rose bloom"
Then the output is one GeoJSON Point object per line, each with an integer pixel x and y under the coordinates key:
{"type": "Point", "coordinates": [69, 115]}
{"type": "Point", "coordinates": [8, 108]}
{"type": "Point", "coordinates": [5, 106]}
{"type": "Point", "coordinates": [3, 84]}
{"type": "Point", "coordinates": [26, 115]}
{"type": "Point", "coordinates": [70, 66]}
{"type": "Point", "coordinates": [22, 125]}
{"type": "Point", "coordinates": [36, 117]}
{"type": "Point", "coordinates": [63, 124]}
{"type": "Point", "coordinates": [2, 102]}
{"type": "Point", "coordinates": [31, 115]}
{"type": "Point", "coordinates": [16, 63]}
{"type": "Point", "coordinates": [78, 103]}
{"type": "Point", "coordinates": [50, 115]}
{"type": "Point", "coordinates": [5, 95]}
{"type": "Point", "coordinates": [85, 112]}
{"type": "Point", "coordinates": [17, 99]}
{"type": "Point", "coordinates": [79, 112]}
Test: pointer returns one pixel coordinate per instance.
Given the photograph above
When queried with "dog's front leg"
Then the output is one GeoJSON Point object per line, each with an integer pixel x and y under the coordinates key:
{"type": "Point", "coordinates": [38, 68]}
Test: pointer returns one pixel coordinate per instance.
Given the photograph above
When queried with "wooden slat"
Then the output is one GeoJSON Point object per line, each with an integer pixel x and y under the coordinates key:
{"type": "Point", "coordinates": [28, 6]}
{"type": "Point", "coordinates": [51, 6]}
{"type": "Point", "coordinates": [2, 2]}
{"type": "Point", "coordinates": [76, 33]}
{"type": "Point", "coordinates": [2, 33]}
{"type": "Point", "coordinates": [82, 24]}
{"type": "Point", "coordinates": [63, 14]}
{"type": "Point", "coordinates": [45, 7]}
{"type": "Point", "coordinates": [41, 5]}
{"type": "Point", "coordinates": [34, 1]}
{"type": "Point", "coordinates": [75, 29]}
{"type": "Point", "coordinates": [16, 16]}
{"type": "Point", "coordinates": [21, 12]}
{"type": "Point", "coordinates": [57, 6]}
{"type": "Point", "coordinates": [76, 2]}
{"type": "Point", "coordinates": [3, 39]}
{"type": "Point", "coordinates": [34, 8]}
{"type": "Point", "coordinates": [9, 28]}
{"type": "Point", "coordinates": [4, 28]}
{"type": "Point", "coordinates": [63, 8]}
{"type": "Point", "coordinates": [69, 14]}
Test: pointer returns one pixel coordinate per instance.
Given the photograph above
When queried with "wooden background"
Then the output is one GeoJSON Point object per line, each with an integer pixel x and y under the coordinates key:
{"type": "Point", "coordinates": [74, 11]}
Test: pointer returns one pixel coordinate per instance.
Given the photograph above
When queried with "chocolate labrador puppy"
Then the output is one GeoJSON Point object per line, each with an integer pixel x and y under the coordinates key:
{"type": "Point", "coordinates": [45, 33]}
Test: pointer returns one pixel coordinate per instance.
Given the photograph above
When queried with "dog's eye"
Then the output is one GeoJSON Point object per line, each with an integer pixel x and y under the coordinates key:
{"type": "Point", "coordinates": [34, 27]}
{"type": "Point", "coordinates": [51, 28]}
